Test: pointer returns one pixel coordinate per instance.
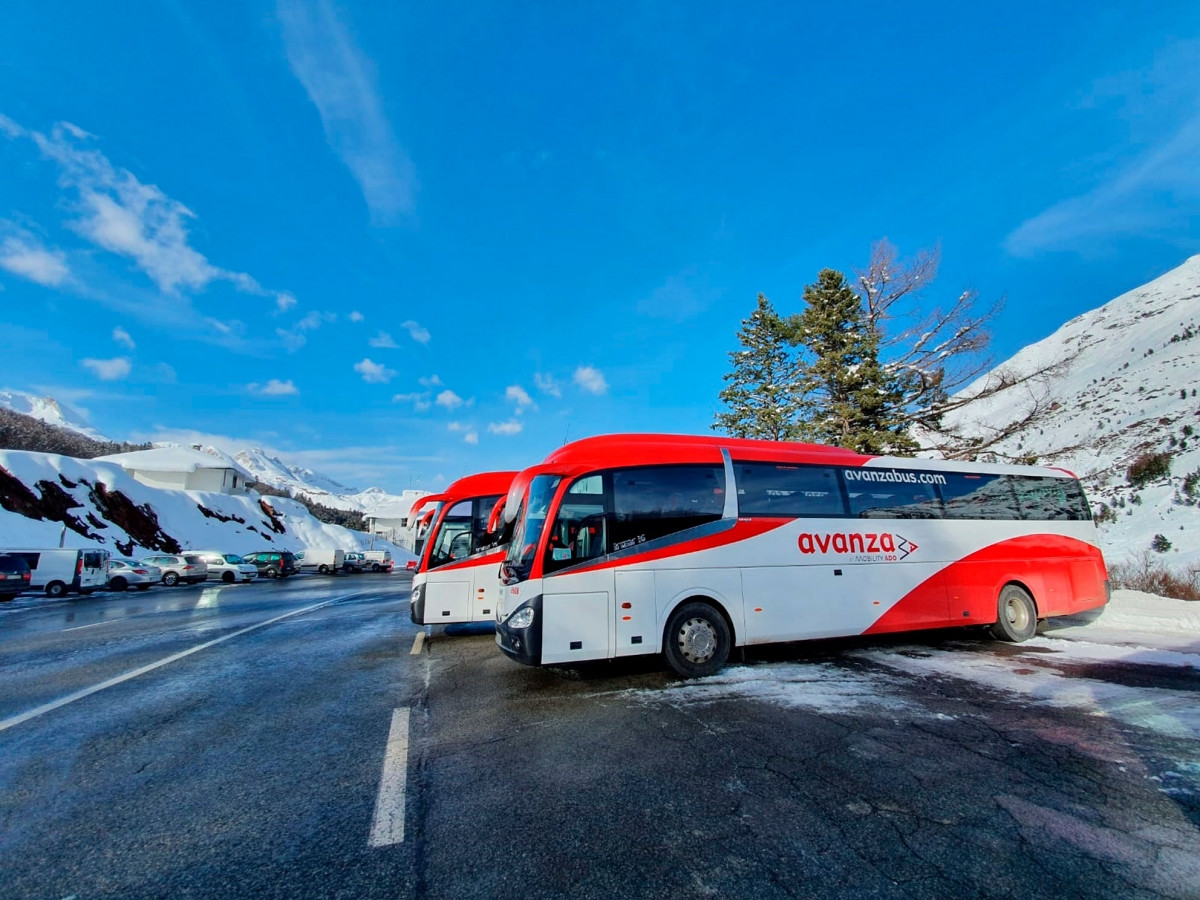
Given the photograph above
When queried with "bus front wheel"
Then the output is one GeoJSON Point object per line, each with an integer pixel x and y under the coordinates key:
{"type": "Point", "coordinates": [697, 640]}
{"type": "Point", "coordinates": [1016, 616]}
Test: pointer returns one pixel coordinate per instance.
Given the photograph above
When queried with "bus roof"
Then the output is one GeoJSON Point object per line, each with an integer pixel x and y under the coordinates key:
{"type": "Point", "coordinates": [421, 501]}
{"type": "Point", "coordinates": [483, 484]}
{"type": "Point", "coordinates": [648, 449]}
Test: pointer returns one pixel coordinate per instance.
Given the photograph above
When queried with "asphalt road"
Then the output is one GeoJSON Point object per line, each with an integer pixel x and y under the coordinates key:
{"type": "Point", "coordinates": [282, 740]}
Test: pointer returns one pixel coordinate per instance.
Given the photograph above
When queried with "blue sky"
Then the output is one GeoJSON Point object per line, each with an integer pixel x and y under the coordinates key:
{"type": "Point", "coordinates": [400, 243]}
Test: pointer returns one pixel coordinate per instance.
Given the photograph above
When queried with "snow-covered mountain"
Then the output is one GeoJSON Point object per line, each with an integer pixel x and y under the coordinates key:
{"type": "Point", "coordinates": [1130, 386]}
{"type": "Point", "coordinates": [101, 504]}
{"type": "Point", "coordinates": [317, 487]}
{"type": "Point", "coordinates": [48, 410]}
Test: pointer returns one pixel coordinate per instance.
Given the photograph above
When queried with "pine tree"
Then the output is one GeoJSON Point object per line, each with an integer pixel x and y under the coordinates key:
{"type": "Point", "coordinates": [764, 394]}
{"type": "Point", "coordinates": [853, 401]}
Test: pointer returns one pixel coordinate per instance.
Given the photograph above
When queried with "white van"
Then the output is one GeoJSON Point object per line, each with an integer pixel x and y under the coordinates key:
{"type": "Point", "coordinates": [378, 560]}
{"type": "Point", "coordinates": [326, 562]}
{"type": "Point", "coordinates": [58, 572]}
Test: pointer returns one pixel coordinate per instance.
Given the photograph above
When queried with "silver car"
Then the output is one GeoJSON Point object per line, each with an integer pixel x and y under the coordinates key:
{"type": "Point", "coordinates": [188, 567]}
{"type": "Point", "coordinates": [228, 567]}
{"type": "Point", "coordinates": [126, 573]}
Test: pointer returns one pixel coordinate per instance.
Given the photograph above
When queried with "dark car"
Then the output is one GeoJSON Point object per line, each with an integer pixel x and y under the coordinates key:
{"type": "Point", "coordinates": [14, 576]}
{"type": "Point", "coordinates": [272, 563]}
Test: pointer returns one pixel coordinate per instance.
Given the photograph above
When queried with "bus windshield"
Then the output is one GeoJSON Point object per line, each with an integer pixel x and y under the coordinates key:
{"type": "Point", "coordinates": [531, 520]}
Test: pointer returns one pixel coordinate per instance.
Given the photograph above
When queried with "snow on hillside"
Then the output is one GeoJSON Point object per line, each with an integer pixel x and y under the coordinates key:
{"type": "Point", "coordinates": [321, 488]}
{"type": "Point", "coordinates": [108, 507]}
{"type": "Point", "coordinates": [1132, 386]}
{"type": "Point", "coordinates": [48, 410]}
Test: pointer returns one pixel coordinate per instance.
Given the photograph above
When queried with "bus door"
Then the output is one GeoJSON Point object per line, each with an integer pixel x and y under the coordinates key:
{"type": "Point", "coordinates": [484, 575]}
{"type": "Point", "coordinates": [577, 596]}
{"type": "Point", "coordinates": [448, 592]}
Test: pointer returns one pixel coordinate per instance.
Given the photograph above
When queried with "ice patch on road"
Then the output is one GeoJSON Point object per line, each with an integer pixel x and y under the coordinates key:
{"type": "Point", "coordinates": [812, 686]}
{"type": "Point", "coordinates": [1089, 651]}
{"type": "Point", "coordinates": [1033, 675]}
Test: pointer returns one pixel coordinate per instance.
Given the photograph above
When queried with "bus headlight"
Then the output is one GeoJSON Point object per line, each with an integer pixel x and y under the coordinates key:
{"type": "Point", "coordinates": [522, 618]}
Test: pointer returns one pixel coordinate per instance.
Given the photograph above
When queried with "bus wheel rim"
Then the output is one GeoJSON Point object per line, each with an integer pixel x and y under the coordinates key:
{"type": "Point", "coordinates": [1018, 615]}
{"type": "Point", "coordinates": [697, 640]}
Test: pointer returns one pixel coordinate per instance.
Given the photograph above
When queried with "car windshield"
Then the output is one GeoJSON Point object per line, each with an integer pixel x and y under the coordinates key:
{"type": "Point", "coordinates": [531, 520]}
{"type": "Point", "coordinates": [233, 559]}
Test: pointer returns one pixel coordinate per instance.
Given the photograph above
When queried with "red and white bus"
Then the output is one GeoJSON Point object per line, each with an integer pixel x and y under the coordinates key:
{"type": "Point", "coordinates": [418, 522]}
{"type": "Point", "coordinates": [455, 579]}
{"type": "Point", "coordinates": [690, 546]}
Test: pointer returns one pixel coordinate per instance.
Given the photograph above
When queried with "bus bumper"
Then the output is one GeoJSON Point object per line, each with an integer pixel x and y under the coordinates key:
{"type": "Point", "coordinates": [523, 645]}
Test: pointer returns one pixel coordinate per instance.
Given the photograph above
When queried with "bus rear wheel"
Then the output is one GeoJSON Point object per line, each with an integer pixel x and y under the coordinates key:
{"type": "Point", "coordinates": [1016, 616]}
{"type": "Point", "coordinates": [696, 642]}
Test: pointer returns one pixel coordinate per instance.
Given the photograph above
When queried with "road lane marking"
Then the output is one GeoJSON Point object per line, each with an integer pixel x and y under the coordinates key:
{"type": "Point", "coordinates": [94, 624]}
{"type": "Point", "coordinates": [418, 644]}
{"type": "Point", "coordinates": [5, 724]}
{"type": "Point", "coordinates": [388, 827]}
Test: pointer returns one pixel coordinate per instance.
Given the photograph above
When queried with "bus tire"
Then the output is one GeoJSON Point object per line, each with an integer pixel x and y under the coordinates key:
{"type": "Point", "coordinates": [1016, 615]}
{"type": "Point", "coordinates": [697, 640]}
{"type": "Point", "coordinates": [56, 589]}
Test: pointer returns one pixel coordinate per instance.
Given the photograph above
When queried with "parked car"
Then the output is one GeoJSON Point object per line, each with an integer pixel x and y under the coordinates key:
{"type": "Point", "coordinates": [324, 562]}
{"type": "Point", "coordinates": [354, 562]}
{"type": "Point", "coordinates": [379, 560]}
{"type": "Point", "coordinates": [187, 567]}
{"type": "Point", "coordinates": [273, 563]}
{"type": "Point", "coordinates": [228, 567]}
{"type": "Point", "coordinates": [14, 575]}
{"type": "Point", "coordinates": [59, 572]}
{"type": "Point", "coordinates": [411, 565]}
{"type": "Point", "coordinates": [126, 573]}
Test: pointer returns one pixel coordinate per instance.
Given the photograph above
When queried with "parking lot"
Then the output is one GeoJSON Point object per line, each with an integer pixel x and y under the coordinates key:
{"type": "Point", "coordinates": [298, 739]}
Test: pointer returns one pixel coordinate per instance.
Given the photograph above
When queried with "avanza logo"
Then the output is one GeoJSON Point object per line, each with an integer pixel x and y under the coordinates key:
{"type": "Point", "coordinates": [890, 546]}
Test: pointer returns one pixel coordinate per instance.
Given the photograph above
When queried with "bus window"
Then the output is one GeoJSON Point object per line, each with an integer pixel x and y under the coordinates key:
{"type": "Point", "coordinates": [480, 537]}
{"type": "Point", "coordinates": [894, 501]}
{"type": "Point", "coordinates": [767, 489]}
{"type": "Point", "coordinates": [1048, 498]}
{"type": "Point", "coordinates": [656, 501]}
{"type": "Point", "coordinates": [530, 520]}
{"type": "Point", "coordinates": [967, 496]}
{"type": "Point", "coordinates": [446, 548]}
{"type": "Point", "coordinates": [580, 530]}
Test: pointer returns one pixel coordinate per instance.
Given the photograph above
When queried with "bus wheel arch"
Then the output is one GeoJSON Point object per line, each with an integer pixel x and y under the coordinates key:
{"type": "Point", "coordinates": [698, 637]}
{"type": "Point", "coordinates": [1016, 613]}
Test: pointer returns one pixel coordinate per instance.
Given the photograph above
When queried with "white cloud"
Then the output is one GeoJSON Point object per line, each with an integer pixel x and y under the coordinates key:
{"type": "Point", "coordinates": [514, 393]}
{"type": "Point", "coordinates": [383, 340]}
{"type": "Point", "coordinates": [431, 382]}
{"type": "Point", "coordinates": [416, 332]}
{"type": "Point", "coordinates": [420, 401]}
{"type": "Point", "coordinates": [356, 316]}
{"type": "Point", "coordinates": [547, 385]}
{"type": "Point", "coordinates": [121, 336]}
{"type": "Point", "coordinates": [455, 427]}
{"type": "Point", "coordinates": [25, 256]}
{"type": "Point", "coordinates": [120, 214]}
{"type": "Point", "coordinates": [274, 388]}
{"type": "Point", "coordinates": [471, 437]}
{"type": "Point", "coordinates": [293, 339]}
{"type": "Point", "coordinates": [108, 369]}
{"type": "Point", "coordinates": [284, 301]}
{"type": "Point", "coordinates": [449, 399]}
{"type": "Point", "coordinates": [591, 379]}
{"type": "Point", "coordinates": [340, 81]}
{"type": "Point", "coordinates": [373, 372]}
{"type": "Point", "coordinates": [510, 427]}
{"type": "Point", "coordinates": [165, 373]}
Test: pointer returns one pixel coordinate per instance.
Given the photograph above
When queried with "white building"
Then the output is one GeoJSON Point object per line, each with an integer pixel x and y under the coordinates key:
{"type": "Point", "coordinates": [390, 520]}
{"type": "Point", "coordinates": [184, 468]}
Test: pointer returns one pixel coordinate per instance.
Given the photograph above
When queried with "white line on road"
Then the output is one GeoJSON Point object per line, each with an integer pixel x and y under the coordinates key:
{"type": "Point", "coordinates": [388, 827]}
{"type": "Point", "coordinates": [95, 624]}
{"type": "Point", "coordinates": [87, 692]}
{"type": "Point", "coordinates": [418, 644]}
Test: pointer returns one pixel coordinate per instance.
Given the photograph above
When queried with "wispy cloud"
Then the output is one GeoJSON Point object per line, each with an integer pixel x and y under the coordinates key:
{"type": "Point", "coordinates": [547, 385]}
{"type": "Point", "coordinates": [416, 332]}
{"type": "Point", "coordinates": [25, 256]}
{"type": "Point", "coordinates": [284, 301]}
{"type": "Point", "coordinates": [510, 427]}
{"type": "Point", "coordinates": [294, 338]}
{"type": "Point", "coordinates": [356, 316]}
{"type": "Point", "coordinates": [470, 435]}
{"type": "Point", "coordinates": [420, 400]}
{"type": "Point", "coordinates": [274, 388]}
{"type": "Point", "coordinates": [108, 369]}
{"type": "Point", "coordinates": [591, 379]}
{"type": "Point", "coordinates": [449, 399]}
{"type": "Point", "coordinates": [373, 372]}
{"type": "Point", "coordinates": [383, 340]}
{"type": "Point", "coordinates": [118, 213]}
{"type": "Point", "coordinates": [121, 336]}
{"type": "Point", "coordinates": [516, 394]}
{"type": "Point", "coordinates": [340, 81]}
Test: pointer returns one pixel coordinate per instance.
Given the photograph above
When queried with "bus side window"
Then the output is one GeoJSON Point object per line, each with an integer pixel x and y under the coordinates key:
{"type": "Point", "coordinates": [578, 532]}
{"type": "Point", "coordinates": [657, 501]}
{"type": "Point", "coordinates": [1044, 498]}
{"type": "Point", "coordinates": [970, 496]}
{"type": "Point", "coordinates": [791, 491]}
